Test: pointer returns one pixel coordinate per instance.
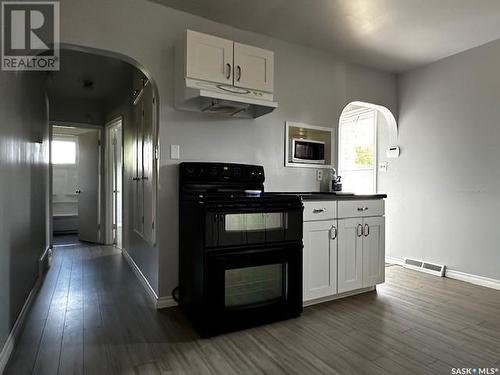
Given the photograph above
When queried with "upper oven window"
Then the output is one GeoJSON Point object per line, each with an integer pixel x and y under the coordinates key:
{"type": "Point", "coordinates": [254, 221]}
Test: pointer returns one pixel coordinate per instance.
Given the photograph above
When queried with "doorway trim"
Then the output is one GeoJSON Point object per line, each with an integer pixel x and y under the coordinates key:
{"type": "Point", "coordinates": [99, 129]}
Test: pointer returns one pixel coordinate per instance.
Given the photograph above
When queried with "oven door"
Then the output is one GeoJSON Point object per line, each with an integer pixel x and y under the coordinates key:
{"type": "Point", "coordinates": [253, 286]}
{"type": "Point", "coordinates": [237, 226]}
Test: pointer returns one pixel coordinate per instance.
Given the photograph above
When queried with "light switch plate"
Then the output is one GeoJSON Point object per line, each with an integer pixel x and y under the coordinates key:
{"type": "Point", "coordinates": [175, 152]}
{"type": "Point", "coordinates": [382, 167]}
{"type": "Point", "coordinates": [319, 174]}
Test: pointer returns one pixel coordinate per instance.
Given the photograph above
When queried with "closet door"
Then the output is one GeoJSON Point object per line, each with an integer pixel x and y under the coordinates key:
{"type": "Point", "coordinates": [138, 169]}
{"type": "Point", "coordinates": [147, 162]}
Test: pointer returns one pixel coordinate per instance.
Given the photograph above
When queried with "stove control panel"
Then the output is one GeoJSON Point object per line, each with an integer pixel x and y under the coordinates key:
{"type": "Point", "coordinates": [220, 172]}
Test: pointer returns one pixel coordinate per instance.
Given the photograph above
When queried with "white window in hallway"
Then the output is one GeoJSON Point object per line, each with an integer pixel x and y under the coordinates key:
{"type": "Point", "coordinates": [358, 151]}
{"type": "Point", "coordinates": [64, 152]}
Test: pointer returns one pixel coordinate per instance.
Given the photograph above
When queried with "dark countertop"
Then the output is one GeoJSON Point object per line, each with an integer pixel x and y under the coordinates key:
{"type": "Point", "coordinates": [340, 196]}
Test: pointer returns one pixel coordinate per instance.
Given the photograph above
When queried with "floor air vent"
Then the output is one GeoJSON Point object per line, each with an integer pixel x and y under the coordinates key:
{"type": "Point", "coordinates": [420, 265]}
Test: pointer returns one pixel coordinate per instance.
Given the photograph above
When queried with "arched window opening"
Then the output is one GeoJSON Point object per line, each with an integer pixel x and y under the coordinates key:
{"type": "Point", "coordinates": [360, 126]}
{"type": "Point", "coordinates": [358, 150]}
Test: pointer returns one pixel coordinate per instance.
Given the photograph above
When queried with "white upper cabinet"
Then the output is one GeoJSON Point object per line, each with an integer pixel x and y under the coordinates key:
{"type": "Point", "coordinates": [209, 58]}
{"type": "Point", "coordinates": [213, 59]}
{"type": "Point", "coordinates": [253, 68]}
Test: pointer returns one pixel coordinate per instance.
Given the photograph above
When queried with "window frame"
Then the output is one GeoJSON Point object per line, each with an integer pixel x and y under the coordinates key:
{"type": "Point", "coordinates": [359, 113]}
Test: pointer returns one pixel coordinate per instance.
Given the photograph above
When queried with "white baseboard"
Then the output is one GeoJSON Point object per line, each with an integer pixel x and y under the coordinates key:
{"type": "Point", "coordinates": [165, 302]}
{"type": "Point", "coordinates": [392, 260]}
{"type": "Point", "coordinates": [143, 280]}
{"type": "Point", "coordinates": [473, 279]}
{"type": "Point", "coordinates": [44, 261]}
{"type": "Point", "coordinates": [458, 275]}
{"type": "Point", "coordinates": [15, 333]}
{"type": "Point", "coordinates": [159, 302]}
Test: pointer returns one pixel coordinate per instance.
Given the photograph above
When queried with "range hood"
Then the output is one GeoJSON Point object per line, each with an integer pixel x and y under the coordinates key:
{"type": "Point", "coordinates": [226, 100]}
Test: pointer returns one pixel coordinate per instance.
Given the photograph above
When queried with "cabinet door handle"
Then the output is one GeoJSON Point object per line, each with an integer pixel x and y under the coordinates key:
{"type": "Point", "coordinates": [318, 210]}
{"type": "Point", "coordinates": [361, 209]}
{"type": "Point", "coordinates": [366, 231]}
{"type": "Point", "coordinates": [333, 232]}
{"type": "Point", "coordinates": [359, 230]}
{"type": "Point", "coordinates": [228, 70]}
{"type": "Point", "coordinates": [238, 70]}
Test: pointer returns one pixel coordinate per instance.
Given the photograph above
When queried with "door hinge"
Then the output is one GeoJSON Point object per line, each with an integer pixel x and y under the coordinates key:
{"type": "Point", "coordinates": [143, 219]}
{"type": "Point", "coordinates": [153, 225]}
{"type": "Point", "coordinates": [98, 226]}
{"type": "Point", "coordinates": [99, 143]}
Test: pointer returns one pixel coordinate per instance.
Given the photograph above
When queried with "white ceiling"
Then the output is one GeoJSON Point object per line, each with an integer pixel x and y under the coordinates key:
{"type": "Point", "coordinates": [392, 35]}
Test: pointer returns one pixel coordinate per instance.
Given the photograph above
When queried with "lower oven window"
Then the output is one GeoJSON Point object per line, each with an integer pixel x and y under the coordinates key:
{"type": "Point", "coordinates": [254, 221]}
{"type": "Point", "coordinates": [254, 285]}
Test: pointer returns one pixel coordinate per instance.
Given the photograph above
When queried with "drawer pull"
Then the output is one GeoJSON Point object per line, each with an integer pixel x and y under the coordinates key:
{"type": "Point", "coordinates": [366, 231]}
{"type": "Point", "coordinates": [359, 230]}
{"type": "Point", "coordinates": [361, 209]}
{"type": "Point", "coordinates": [319, 210]}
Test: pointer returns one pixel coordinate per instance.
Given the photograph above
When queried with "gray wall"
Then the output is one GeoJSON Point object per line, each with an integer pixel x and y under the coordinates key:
{"type": "Point", "coordinates": [444, 190]}
{"type": "Point", "coordinates": [24, 190]}
{"type": "Point", "coordinates": [311, 87]}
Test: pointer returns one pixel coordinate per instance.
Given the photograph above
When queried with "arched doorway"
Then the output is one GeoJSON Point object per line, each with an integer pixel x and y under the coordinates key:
{"type": "Point", "coordinates": [366, 131]}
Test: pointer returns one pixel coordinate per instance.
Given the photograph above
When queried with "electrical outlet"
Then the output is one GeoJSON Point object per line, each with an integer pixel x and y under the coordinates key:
{"type": "Point", "coordinates": [319, 174]}
{"type": "Point", "coordinates": [175, 152]}
{"type": "Point", "coordinates": [382, 167]}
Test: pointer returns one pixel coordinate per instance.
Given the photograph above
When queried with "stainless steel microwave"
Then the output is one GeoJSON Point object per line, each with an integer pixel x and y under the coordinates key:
{"type": "Point", "coordinates": [307, 151]}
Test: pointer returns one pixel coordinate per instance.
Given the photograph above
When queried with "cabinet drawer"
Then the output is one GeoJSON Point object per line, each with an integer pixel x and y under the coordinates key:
{"type": "Point", "coordinates": [320, 210]}
{"type": "Point", "coordinates": [373, 207]}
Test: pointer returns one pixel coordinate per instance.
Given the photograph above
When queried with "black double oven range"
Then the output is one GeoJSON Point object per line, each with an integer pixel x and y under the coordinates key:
{"type": "Point", "coordinates": [240, 250]}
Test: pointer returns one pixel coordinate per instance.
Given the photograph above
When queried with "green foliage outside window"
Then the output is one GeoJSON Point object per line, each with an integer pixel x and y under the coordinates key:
{"type": "Point", "coordinates": [364, 156]}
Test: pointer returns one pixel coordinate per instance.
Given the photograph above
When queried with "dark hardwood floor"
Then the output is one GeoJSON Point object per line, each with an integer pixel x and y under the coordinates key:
{"type": "Point", "coordinates": [92, 316]}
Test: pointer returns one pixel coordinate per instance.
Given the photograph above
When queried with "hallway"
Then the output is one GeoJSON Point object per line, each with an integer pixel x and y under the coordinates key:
{"type": "Point", "coordinates": [92, 316]}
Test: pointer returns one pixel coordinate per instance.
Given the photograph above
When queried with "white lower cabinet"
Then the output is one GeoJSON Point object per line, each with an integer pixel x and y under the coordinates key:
{"type": "Point", "coordinates": [350, 255]}
{"type": "Point", "coordinates": [320, 259]}
{"type": "Point", "coordinates": [373, 251]}
{"type": "Point", "coordinates": [343, 254]}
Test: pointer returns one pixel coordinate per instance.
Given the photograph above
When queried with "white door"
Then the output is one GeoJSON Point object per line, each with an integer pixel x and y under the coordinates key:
{"type": "Point", "coordinates": [350, 254]}
{"type": "Point", "coordinates": [88, 186]}
{"type": "Point", "coordinates": [209, 58]}
{"type": "Point", "coordinates": [115, 144]}
{"type": "Point", "coordinates": [320, 259]}
{"type": "Point", "coordinates": [253, 68]}
{"type": "Point", "coordinates": [373, 251]}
